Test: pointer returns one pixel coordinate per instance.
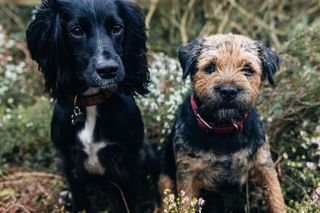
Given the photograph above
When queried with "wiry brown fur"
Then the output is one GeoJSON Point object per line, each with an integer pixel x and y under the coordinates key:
{"type": "Point", "coordinates": [197, 172]}
{"type": "Point", "coordinates": [230, 54]}
{"type": "Point", "coordinates": [265, 175]}
{"type": "Point", "coordinates": [194, 173]}
{"type": "Point", "coordinates": [221, 164]}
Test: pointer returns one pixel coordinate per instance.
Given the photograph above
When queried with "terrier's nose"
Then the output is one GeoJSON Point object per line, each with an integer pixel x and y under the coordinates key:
{"type": "Point", "coordinates": [228, 92]}
{"type": "Point", "coordinates": [107, 70]}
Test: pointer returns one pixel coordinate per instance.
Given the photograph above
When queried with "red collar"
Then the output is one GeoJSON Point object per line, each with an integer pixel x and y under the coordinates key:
{"type": "Point", "coordinates": [237, 126]}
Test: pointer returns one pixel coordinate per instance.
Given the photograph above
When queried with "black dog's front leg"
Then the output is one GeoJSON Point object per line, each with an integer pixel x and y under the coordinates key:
{"type": "Point", "coordinates": [77, 189]}
{"type": "Point", "coordinates": [132, 188]}
{"type": "Point", "coordinates": [124, 197]}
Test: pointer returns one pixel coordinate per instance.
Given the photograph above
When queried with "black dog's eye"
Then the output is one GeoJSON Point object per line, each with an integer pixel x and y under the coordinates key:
{"type": "Point", "coordinates": [248, 70]}
{"type": "Point", "coordinates": [210, 68]}
{"type": "Point", "coordinates": [116, 29]}
{"type": "Point", "coordinates": [77, 32]}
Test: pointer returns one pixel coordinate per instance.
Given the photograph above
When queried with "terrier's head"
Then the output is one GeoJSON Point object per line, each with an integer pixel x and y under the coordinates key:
{"type": "Point", "coordinates": [226, 72]}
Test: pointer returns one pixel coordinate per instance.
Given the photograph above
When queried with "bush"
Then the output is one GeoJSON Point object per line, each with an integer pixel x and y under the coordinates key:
{"type": "Point", "coordinates": [291, 110]}
{"type": "Point", "coordinates": [24, 114]}
{"type": "Point", "coordinates": [175, 22]}
{"type": "Point", "coordinates": [293, 120]}
{"type": "Point", "coordinates": [25, 139]}
{"type": "Point", "coordinates": [167, 90]}
{"type": "Point", "coordinates": [20, 83]}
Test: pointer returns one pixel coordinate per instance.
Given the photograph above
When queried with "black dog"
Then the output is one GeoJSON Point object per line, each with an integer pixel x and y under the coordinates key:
{"type": "Point", "coordinates": [218, 140]}
{"type": "Point", "coordinates": [92, 54]}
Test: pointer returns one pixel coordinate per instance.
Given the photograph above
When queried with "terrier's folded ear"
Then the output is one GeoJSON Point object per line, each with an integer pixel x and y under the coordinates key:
{"type": "Point", "coordinates": [269, 62]}
{"type": "Point", "coordinates": [188, 57]}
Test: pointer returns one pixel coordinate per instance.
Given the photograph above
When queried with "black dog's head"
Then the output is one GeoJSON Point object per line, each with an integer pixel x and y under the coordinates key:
{"type": "Point", "coordinates": [227, 71]}
{"type": "Point", "coordinates": [89, 43]}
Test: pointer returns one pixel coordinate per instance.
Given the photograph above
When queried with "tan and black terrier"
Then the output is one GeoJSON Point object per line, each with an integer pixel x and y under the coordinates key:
{"type": "Point", "coordinates": [218, 140]}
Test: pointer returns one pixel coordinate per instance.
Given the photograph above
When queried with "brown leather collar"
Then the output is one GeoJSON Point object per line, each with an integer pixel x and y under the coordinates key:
{"type": "Point", "coordinates": [92, 100]}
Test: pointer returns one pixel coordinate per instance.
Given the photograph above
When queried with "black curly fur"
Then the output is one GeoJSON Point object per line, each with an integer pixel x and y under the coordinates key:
{"type": "Point", "coordinates": [69, 63]}
{"type": "Point", "coordinates": [46, 39]}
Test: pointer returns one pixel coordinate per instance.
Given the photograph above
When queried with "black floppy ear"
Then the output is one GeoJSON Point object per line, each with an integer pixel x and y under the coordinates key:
{"type": "Point", "coordinates": [47, 48]}
{"type": "Point", "coordinates": [135, 51]}
{"type": "Point", "coordinates": [269, 62]}
{"type": "Point", "coordinates": [188, 57]}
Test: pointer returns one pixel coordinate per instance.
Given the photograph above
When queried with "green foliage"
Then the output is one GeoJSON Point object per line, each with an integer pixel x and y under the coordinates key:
{"type": "Point", "coordinates": [167, 90]}
{"type": "Point", "coordinates": [291, 110]}
{"type": "Point", "coordinates": [20, 84]}
{"type": "Point", "coordinates": [24, 115]}
{"type": "Point", "coordinates": [25, 139]}
{"type": "Point", "coordinates": [293, 118]}
{"type": "Point", "coordinates": [179, 21]}
{"type": "Point", "coordinates": [14, 18]}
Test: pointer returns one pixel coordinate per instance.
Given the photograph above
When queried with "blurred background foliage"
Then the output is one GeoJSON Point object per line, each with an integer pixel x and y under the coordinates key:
{"type": "Point", "coordinates": [290, 110]}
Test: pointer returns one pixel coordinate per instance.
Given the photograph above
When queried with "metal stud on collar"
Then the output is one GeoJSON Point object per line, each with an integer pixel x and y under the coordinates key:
{"type": "Point", "coordinates": [236, 126]}
{"type": "Point", "coordinates": [204, 122]}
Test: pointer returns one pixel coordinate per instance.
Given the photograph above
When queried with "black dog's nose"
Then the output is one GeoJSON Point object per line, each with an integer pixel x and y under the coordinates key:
{"type": "Point", "coordinates": [107, 70]}
{"type": "Point", "coordinates": [228, 92]}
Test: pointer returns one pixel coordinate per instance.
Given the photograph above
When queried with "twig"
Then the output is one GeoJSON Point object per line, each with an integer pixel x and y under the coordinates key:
{"type": "Point", "coordinates": [152, 9]}
{"type": "Point", "coordinates": [255, 18]}
{"type": "Point", "coordinates": [206, 28]}
{"type": "Point", "coordinates": [308, 12]}
{"type": "Point", "coordinates": [225, 20]}
{"type": "Point", "coordinates": [239, 28]}
{"type": "Point", "coordinates": [12, 182]}
{"type": "Point", "coordinates": [247, 209]}
{"type": "Point", "coordinates": [297, 184]}
{"type": "Point", "coordinates": [184, 19]}
{"type": "Point", "coordinates": [12, 208]}
{"type": "Point", "coordinates": [122, 195]}
{"type": "Point", "coordinates": [13, 16]}
{"type": "Point", "coordinates": [34, 174]}
{"type": "Point", "coordinates": [21, 2]}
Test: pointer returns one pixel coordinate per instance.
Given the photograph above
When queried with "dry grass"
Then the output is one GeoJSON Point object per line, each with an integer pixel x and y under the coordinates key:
{"type": "Point", "coordinates": [30, 192]}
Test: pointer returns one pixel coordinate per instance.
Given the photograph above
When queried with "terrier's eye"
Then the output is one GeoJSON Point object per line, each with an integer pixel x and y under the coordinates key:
{"type": "Point", "coordinates": [210, 68]}
{"type": "Point", "coordinates": [77, 32]}
{"type": "Point", "coordinates": [248, 70]}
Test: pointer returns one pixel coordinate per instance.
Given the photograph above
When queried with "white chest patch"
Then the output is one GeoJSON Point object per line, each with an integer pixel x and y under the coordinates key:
{"type": "Point", "coordinates": [92, 164]}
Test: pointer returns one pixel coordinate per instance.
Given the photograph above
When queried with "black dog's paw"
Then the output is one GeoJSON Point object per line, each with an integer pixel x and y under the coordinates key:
{"type": "Point", "coordinates": [65, 199]}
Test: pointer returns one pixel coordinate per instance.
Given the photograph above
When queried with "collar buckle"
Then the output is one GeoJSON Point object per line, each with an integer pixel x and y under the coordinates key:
{"type": "Point", "coordinates": [236, 126]}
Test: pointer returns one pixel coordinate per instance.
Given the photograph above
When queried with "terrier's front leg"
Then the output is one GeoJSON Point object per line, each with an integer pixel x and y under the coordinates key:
{"type": "Point", "coordinates": [266, 175]}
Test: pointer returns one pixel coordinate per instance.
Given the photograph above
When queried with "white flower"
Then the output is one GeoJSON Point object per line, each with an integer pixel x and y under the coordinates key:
{"type": "Point", "coordinates": [201, 202]}
{"type": "Point", "coordinates": [10, 100]}
{"type": "Point", "coordinates": [171, 197]}
{"type": "Point", "coordinates": [29, 124]}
